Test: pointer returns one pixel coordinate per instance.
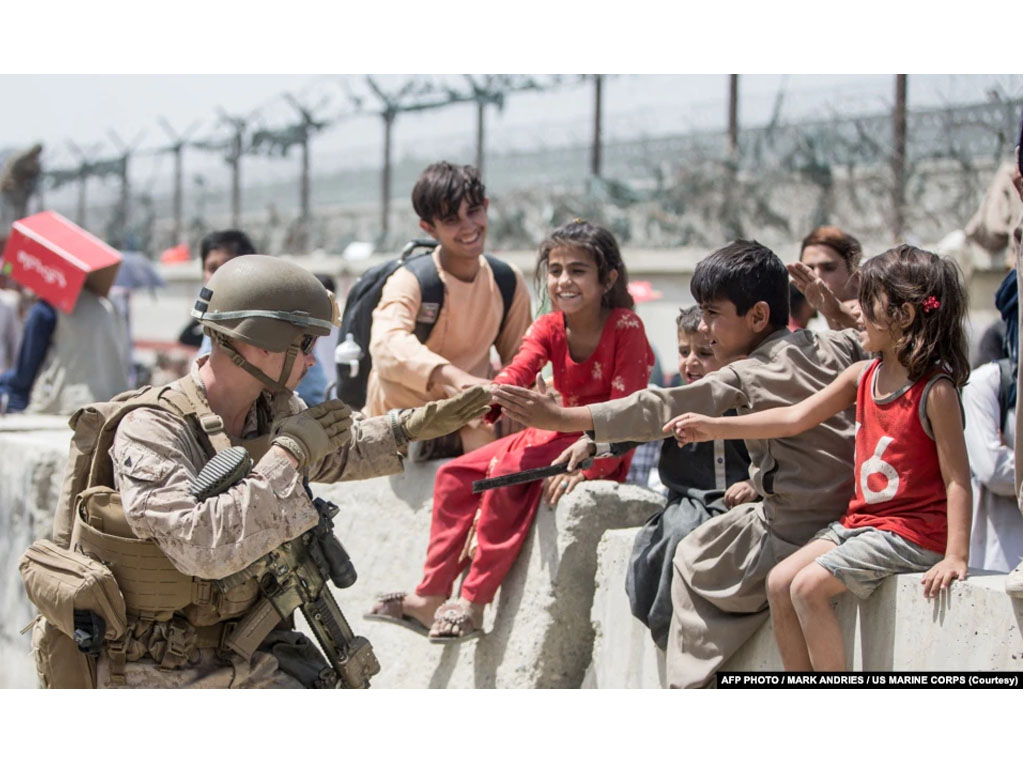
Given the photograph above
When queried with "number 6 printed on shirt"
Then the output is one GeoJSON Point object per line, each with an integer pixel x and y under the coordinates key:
{"type": "Point", "coordinates": [876, 465]}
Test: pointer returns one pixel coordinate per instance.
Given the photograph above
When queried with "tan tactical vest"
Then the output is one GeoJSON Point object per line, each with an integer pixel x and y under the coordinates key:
{"type": "Point", "coordinates": [169, 614]}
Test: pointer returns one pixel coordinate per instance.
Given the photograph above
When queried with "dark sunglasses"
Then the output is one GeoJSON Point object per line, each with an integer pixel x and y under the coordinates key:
{"type": "Point", "coordinates": [307, 344]}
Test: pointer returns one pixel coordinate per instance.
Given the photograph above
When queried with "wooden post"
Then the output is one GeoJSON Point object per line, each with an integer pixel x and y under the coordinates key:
{"type": "Point", "coordinates": [595, 153]}
{"type": "Point", "coordinates": [82, 176]}
{"type": "Point", "coordinates": [304, 195]}
{"type": "Point", "coordinates": [385, 182]}
{"type": "Point", "coordinates": [899, 155]}
{"type": "Point", "coordinates": [177, 192]}
{"type": "Point", "coordinates": [125, 199]}
{"type": "Point", "coordinates": [734, 87]}
{"type": "Point", "coordinates": [481, 106]}
{"type": "Point", "coordinates": [236, 178]}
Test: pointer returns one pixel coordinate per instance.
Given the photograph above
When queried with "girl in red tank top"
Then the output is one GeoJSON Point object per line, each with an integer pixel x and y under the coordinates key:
{"type": "Point", "coordinates": [912, 506]}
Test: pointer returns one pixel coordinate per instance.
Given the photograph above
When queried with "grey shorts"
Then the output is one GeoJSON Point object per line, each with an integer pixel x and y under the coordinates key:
{"type": "Point", "coordinates": [863, 557]}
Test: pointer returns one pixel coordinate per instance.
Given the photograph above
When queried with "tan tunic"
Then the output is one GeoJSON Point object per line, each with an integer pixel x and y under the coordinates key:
{"type": "Point", "coordinates": [155, 457]}
{"type": "Point", "coordinates": [806, 481]}
{"type": "Point", "coordinates": [466, 328]}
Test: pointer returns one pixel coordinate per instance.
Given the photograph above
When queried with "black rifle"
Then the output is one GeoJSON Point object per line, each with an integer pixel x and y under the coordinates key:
{"type": "Point", "coordinates": [529, 475]}
{"type": "Point", "coordinates": [296, 576]}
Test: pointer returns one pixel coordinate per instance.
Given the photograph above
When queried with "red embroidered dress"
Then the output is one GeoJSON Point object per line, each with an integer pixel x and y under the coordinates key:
{"type": "Point", "coordinates": [620, 365]}
{"type": "Point", "coordinates": [898, 481]}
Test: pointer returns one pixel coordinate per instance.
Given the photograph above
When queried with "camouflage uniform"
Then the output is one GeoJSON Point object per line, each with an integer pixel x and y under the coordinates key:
{"type": "Point", "coordinates": [155, 456]}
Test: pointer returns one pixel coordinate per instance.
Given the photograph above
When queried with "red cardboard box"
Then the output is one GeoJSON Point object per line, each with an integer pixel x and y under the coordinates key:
{"type": "Point", "coordinates": [54, 258]}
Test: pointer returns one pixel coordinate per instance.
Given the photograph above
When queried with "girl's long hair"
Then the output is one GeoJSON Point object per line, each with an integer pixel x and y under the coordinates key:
{"type": "Point", "coordinates": [934, 287]}
{"type": "Point", "coordinates": [599, 243]}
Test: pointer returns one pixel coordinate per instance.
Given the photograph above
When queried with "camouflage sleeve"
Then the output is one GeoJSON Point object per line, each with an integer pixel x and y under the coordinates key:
{"type": "Point", "coordinates": [372, 452]}
{"type": "Point", "coordinates": [155, 457]}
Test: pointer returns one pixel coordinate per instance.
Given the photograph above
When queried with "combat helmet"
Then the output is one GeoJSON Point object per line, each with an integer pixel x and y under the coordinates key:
{"type": "Point", "coordinates": [269, 303]}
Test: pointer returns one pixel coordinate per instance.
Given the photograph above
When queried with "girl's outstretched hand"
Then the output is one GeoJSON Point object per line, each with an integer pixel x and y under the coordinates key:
{"type": "Point", "coordinates": [691, 428]}
{"type": "Point", "coordinates": [535, 408]}
{"type": "Point", "coordinates": [941, 575]}
{"type": "Point", "coordinates": [578, 452]}
{"type": "Point", "coordinates": [556, 487]}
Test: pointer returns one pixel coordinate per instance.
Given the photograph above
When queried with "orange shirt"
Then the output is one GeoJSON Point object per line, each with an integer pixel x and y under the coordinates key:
{"type": "Point", "coordinates": [463, 335]}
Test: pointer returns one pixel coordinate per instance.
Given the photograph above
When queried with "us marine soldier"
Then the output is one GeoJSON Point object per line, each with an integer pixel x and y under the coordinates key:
{"type": "Point", "coordinates": [264, 316]}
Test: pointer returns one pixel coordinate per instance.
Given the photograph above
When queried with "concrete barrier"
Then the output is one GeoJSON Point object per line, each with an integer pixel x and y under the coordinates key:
{"type": "Point", "coordinates": [975, 627]}
{"type": "Point", "coordinates": [33, 450]}
{"type": "Point", "coordinates": [539, 631]}
{"type": "Point", "coordinates": [538, 628]}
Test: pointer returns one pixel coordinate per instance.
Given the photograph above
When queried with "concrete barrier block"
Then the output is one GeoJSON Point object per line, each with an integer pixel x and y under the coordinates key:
{"type": "Point", "coordinates": [624, 654]}
{"type": "Point", "coordinates": [538, 629]}
{"type": "Point", "coordinates": [33, 451]}
{"type": "Point", "coordinates": [976, 626]}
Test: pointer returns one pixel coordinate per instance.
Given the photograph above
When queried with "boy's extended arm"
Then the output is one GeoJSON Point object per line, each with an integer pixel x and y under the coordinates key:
{"type": "Point", "coordinates": [536, 409]}
{"type": "Point", "coordinates": [943, 411]}
{"type": "Point", "coordinates": [774, 422]}
{"type": "Point", "coordinates": [637, 417]}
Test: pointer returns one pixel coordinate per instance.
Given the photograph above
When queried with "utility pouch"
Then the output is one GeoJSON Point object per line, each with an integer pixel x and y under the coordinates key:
{"type": "Point", "coordinates": [60, 582]}
{"type": "Point", "coordinates": [59, 663]}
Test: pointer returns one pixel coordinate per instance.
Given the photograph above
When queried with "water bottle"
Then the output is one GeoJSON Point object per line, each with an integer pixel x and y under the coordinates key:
{"type": "Point", "coordinates": [346, 357]}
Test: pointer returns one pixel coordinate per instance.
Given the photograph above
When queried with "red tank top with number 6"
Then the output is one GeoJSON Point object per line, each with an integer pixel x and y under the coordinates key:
{"type": "Point", "coordinates": [898, 482]}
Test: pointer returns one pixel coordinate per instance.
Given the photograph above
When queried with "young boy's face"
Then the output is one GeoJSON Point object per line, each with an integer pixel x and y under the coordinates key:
{"type": "Point", "coordinates": [696, 358]}
{"type": "Point", "coordinates": [730, 335]}
{"type": "Point", "coordinates": [462, 233]}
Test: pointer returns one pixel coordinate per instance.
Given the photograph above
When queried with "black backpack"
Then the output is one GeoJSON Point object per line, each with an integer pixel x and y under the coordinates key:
{"type": "Point", "coordinates": [365, 295]}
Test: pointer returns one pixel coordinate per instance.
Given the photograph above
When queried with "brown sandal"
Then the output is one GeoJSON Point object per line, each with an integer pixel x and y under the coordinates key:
{"type": "Point", "coordinates": [388, 608]}
{"type": "Point", "coordinates": [453, 624]}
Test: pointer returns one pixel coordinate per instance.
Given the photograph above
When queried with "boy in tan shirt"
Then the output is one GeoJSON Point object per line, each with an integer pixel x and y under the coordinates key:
{"type": "Point", "coordinates": [452, 206]}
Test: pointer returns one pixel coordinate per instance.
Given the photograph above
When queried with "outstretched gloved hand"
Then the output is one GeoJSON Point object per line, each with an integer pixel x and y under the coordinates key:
{"type": "Point", "coordinates": [443, 417]}
{"type": "Point", "coordinates": [315, 432]}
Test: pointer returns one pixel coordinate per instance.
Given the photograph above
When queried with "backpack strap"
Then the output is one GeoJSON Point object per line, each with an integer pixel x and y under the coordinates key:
{"type": "Point", "coordinates": [505, 277]}
{"type": "Point", "coordinates": [432, 290]}
{"type": "Point", "coordinates": [431, 293]}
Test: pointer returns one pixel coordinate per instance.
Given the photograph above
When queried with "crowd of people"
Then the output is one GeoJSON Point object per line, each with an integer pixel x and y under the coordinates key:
{"type": "Point", "coordinates": [826, 432]}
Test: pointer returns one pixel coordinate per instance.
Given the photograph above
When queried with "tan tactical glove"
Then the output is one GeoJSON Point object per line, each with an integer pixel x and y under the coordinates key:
{"type": "Point", "coordinates": [443, 417]}
{"type": "Point", "coordinates": [315, 432]}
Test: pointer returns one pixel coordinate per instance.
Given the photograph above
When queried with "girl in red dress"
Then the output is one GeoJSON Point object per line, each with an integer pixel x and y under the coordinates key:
{"type": "Point", "coordinates": [912, 507]}
{"type": "Point", "coordinates": [598, 351]}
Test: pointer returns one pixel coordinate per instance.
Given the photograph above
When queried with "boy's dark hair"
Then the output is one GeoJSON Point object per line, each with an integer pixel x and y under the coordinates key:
{"type": "Point", "coordinates": [600, 244]}
{"type": "Point", "coordinates": [688, 320]}
{"type": "Point", "coordinates": [441, 188]}
{"type": "Point", "coordinates": [843, 243]}
{"type": "Point", "coordinates": [934, 287]}
{"type": "Point", "coordinates": [744, 272]}
{"type": "Point", "coordinates": [234, 241]}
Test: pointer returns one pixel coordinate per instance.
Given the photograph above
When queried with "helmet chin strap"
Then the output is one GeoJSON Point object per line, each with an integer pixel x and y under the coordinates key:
{"type": "Point", "coordinates": [236, 357]}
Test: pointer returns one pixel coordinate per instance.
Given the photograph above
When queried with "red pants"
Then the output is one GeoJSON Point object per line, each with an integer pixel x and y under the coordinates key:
{"type": "Point", "coordinates": [505, 513]}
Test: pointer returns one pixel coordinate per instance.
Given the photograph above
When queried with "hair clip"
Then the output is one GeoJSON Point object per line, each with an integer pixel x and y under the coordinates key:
{"type": "Point", "coordinates": [930, 304]}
